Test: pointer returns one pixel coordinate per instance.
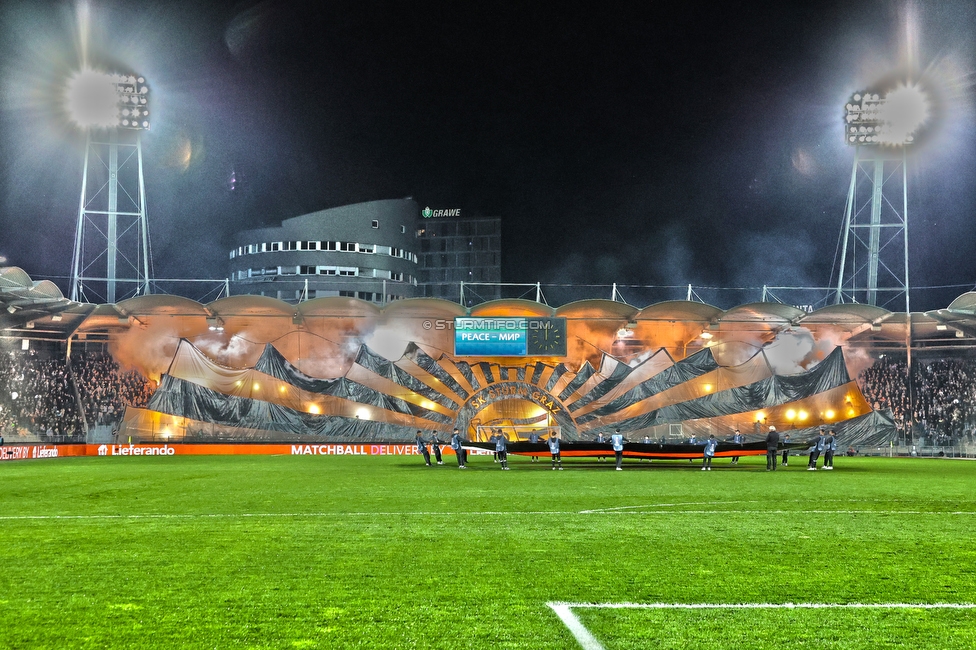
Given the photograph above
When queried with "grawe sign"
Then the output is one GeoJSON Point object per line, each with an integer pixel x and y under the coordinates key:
{"type": "Point", "coordinates": [435, 214]}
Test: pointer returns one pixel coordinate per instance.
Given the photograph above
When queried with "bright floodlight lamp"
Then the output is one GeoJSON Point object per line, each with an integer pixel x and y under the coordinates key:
{"type": "Point", "coordinates": [99, 100]}
{"type": "Point", "coordinates": [892, 120]}
{"type": "Point", "coordinates": [111, 237]}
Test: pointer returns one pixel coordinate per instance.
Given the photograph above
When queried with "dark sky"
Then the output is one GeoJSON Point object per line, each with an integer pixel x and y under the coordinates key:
{"type": "Point", "coordinates": [659, 143]}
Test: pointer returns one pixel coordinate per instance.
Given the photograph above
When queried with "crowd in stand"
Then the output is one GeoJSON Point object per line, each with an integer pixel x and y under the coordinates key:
{"type": "Point", "coordinates": [40, 396]}
{"type": "Point", "coordinates": [939, 402]}
{"type": "Point", "coordinates": [36, 395]}
{"type": "Point", "coordinates": [106, 389]}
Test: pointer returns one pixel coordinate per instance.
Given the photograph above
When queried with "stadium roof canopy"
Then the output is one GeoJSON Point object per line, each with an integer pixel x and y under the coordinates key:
{"type": "Point", "coordinates": [39, 311]}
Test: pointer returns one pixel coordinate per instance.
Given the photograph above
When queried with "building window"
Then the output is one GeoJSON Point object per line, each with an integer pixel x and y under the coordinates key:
{"type": "Point", "coordinates": [348, 246]}
{"type": "Point", "coordinates": [347, 294]}
{"type": "Point", "coordinates": [403, 230]}
{"type": "Point", "coordinates": [233, 254]}
{"type": "Point", "coordinates": [290, 246]}
{"type": "Point", "coordinates": [327, 245]}
{"type": "Point", "coordinates": [348, 270]}
{"type": "Point", "coordinates": [375, 223]}
{"type": "Point", "coordinates": [366, 248]}
{"type": "Point", "coordinates": [275, 246]}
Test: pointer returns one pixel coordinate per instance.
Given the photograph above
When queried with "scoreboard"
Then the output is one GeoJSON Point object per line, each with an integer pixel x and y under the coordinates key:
{"type": "Point", "coordinates": [510, 337]}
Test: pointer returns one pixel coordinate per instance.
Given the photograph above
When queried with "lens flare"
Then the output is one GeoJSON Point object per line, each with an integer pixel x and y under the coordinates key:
{"type": "Point", "coordinates": [904, 110]}
{"type": "Point", "coordinates": [92, 100]}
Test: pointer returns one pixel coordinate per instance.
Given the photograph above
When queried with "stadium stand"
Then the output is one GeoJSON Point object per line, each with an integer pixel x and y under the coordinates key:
{"type": "Point", "coordinates": [39, 397]}
{"type": "Point", "coordinates": [944, 397]}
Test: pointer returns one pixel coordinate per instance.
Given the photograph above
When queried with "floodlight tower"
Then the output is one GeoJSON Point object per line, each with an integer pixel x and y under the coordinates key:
{"type": "Point", "coordinates": [874, 249]}
{"type": "Point", "coordinates": [112, 235]}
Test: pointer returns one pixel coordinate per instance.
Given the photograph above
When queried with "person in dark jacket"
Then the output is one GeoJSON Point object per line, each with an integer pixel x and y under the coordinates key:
{"type": "Point", "coordinates": [435, 444]}
{"type": "Point", "coordinates": [815, 451]}
{"type": "Point", "coordinates": [830, 446]}
{"type": "Point", "coordinates": [600, 438]}
{"type": "Point", "coordinates": [710, 445]}
{"type": "Point", "coordinates": [422, 448]}
{"type": "Point", "coordinates": [534, 440]}
{"type": "Point", "coordinates": [772, 448]}
{"type": "Point", "coordinates": [456, 445]}
{"type": "Point", "coordinates": [786, 452]}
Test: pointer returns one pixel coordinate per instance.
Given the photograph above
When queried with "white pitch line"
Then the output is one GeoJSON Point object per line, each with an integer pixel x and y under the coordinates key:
{"type": "Point", "coordinates": [589, 642]}
{"type": "Point", "coordinates": [773, 512]}
{"type": "Point", "coordinates": [565, 613]}
{"type": "Point", "coordinates": [475, 513]}
{"type": "Point", "coordinates": [763, 605]}
{"type": "Point", "coordinates": [660, 505]}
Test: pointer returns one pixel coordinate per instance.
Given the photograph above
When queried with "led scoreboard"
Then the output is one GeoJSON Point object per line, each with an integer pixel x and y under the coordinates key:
{"type": "Point", "coordinates": [510, 337]}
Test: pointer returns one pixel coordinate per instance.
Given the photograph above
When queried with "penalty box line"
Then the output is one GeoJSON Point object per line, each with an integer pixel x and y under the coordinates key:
{"type": "Point", "coordinates": [589, 642]}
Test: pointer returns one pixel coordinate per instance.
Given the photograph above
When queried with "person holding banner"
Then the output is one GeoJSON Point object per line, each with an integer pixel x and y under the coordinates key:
{"type": "Point", "coordinates": [501, 448]}
{"type": "Point", "coordinates": [617, 440]}
{"type": "Point", "coordinates": [830, 446]}
{"type": "Point", "coordinates": [736, 439]}
{"type": "Point", "coordinates": [710, 445]}
{"type": "Point", "coordinates": [458, 449]}
{"type": "Point", "coordinates": [534, 439]}
{"type": "Point", "coordinates": [435, 444]}
{"type": "Point", "coordinates": [422, 447]}
{"type": "Point", "coordinates": [554, 450]}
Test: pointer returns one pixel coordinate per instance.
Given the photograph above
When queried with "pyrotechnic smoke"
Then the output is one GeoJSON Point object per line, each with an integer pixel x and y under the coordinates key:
{"type": "Point", "coordinates": [148, 351]}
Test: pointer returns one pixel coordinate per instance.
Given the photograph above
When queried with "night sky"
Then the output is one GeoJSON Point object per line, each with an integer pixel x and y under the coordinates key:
{"type": "Point", "coordinates": [643, 143]}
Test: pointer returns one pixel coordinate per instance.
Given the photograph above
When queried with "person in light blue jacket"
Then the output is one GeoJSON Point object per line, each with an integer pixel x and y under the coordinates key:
{"type": "Point", "coordinates": [501, 448]}
{"type": "Point", "coordinates": [709, 453]}
{"type": "Point", "coordinates": [554, 450]}
{"type": "Point", "coordinates": [736, 439]}
{"type": "Point", "coordinates": [617, 440]}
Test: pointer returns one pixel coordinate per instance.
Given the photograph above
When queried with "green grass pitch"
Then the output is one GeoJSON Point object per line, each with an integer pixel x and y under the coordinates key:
{"type": "Point", "coordinates": [382, 552]}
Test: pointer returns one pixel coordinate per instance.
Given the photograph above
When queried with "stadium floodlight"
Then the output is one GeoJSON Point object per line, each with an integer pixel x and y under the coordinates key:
{"type": "Point", "coordinates": [101, 100]}
{"type": "Point", "coordinates": [892, 120]}
{"type": "Point", "coordinates": [112, 235]}
{"type": "Point", "coordinates": [881, 126]}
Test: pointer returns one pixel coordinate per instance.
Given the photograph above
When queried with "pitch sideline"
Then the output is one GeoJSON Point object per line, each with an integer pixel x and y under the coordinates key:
{"type": "Point", "coordinates": [478, 513]}
{"type": "Point", "coordinates": [587, 641]}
